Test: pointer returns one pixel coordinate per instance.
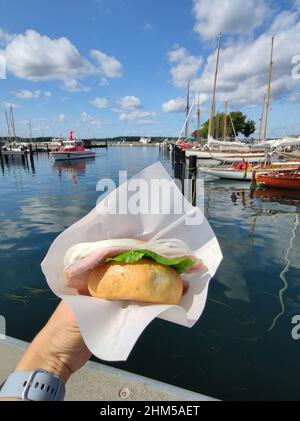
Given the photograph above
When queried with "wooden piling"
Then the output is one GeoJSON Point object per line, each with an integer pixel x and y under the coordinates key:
{"type": "Point", "coordinates": [193, 170]}
{"type": "Point", "coordinates": [1, 160]}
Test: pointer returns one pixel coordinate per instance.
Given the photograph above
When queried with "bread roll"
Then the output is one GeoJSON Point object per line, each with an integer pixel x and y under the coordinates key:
{"type": "Point", "coordinates": [144, 281]}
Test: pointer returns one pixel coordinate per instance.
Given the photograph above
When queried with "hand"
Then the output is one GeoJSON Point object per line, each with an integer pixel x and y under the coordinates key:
{"type": "Point", "coordinates": [58, 348]}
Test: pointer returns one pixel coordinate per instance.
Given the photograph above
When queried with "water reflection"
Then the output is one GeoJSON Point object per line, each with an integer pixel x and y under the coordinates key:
{"type": "Point", "coordinates": [229, 354]}
{"type": "Point", "coordinates": [72, 169]}
{"type": "Point", "coordinates": [280, 196]}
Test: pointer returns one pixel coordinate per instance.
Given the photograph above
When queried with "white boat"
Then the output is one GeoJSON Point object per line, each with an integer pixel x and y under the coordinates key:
{"type": "Point", "coordinates": [228, 173]}
{"type": "Point", "coordinates": [247, 157]}
{"type": "Point", "coordinates": [245, 173]}
{"type": "Point", "coordinates": [145, 140]}
{"type": "Point", "coordinates": [72, 149]}
{"type": "Point", "coordinates": [236, 156]}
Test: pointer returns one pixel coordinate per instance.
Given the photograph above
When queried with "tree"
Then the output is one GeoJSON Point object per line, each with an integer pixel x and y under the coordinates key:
{"type": "Point", "coordinates": [240, 123]}
{"type": "Point", "coordinates": [249, 128]}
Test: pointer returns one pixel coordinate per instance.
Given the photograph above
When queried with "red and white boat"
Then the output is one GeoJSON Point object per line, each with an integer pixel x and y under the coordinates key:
{"type": "Point", "coordinates": [72, 149]}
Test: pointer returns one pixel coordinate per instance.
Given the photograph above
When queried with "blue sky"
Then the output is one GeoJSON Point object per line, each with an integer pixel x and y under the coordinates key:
{"type": "Point", "coordinates": [120, 67]}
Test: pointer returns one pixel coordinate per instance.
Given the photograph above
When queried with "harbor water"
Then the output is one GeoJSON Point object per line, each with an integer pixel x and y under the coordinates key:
{"type": "Point", "coordinates": [242, 347]}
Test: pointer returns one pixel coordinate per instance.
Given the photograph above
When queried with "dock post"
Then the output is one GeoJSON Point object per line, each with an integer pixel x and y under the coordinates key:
{"type": "Point", "coordinates": [173, 155]}
{"type": "Point", "coordinates": [193, 169]}
{"type": "Point", "coordinates": [47, 147]}
{"type": "Point", "coordinates": [182, 166]}
{"type": "Point", "coordinates": [31, 159]}
{"type": "Point", "coordinates": [1, 160]}
{"type": "Point", "coordinates": [177, 162]}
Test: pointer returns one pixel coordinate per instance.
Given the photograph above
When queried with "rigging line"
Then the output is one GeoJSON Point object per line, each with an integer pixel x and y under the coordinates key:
{"type": "Point", "coordinates": [194, 101]}
{"type": "Point", "coordinates": [284, 272]}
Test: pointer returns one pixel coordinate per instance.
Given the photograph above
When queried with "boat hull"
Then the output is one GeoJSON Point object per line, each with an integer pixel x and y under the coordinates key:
{"type": "Point", "coordinates": [228, 174]}
{"type": "Point", "coordinates": [239, 158]}
{"type": "Point", "coordinates": [243, 175]}
{"type": "Point", "coordinates": [284, 182]}
{"type": "Point", "coordinates": [68, 156]}
{"type": "Point", "coordinates": [225, 156]}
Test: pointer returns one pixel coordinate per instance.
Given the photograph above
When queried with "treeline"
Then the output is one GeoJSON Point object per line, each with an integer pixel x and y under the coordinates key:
{"type": "Point", "coordinates": [49, 139]}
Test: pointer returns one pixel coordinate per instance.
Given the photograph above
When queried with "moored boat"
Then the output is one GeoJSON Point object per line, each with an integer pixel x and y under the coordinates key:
{"type": "Point", "coordinates": [280, 179]}
{"type": "Point", "coordinates": [244, 172]}
{"type": "Point", "coordinates": [72, 149]}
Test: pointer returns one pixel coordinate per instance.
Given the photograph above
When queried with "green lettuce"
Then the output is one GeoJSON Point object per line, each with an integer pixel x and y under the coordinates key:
{"type": "Point", "coordinates": [181, 265]}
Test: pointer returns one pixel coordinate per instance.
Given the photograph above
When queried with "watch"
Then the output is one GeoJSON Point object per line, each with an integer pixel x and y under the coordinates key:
{"type": "Point", "coordinates": [38, 385]}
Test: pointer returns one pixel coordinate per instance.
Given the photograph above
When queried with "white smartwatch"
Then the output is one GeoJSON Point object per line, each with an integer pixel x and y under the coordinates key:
{"type": "Point", "coordinates": [38, 385]}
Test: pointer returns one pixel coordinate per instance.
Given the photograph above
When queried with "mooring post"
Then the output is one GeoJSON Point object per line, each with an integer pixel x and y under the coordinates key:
{"type": "Point", "coordinates": [193, 169]}
{"type": "Point", "coordinates": [173, 155]}
{"type": "Point", "coordinates": [1, 160]}
{"type": "Point", "coordinates": [182, 164]}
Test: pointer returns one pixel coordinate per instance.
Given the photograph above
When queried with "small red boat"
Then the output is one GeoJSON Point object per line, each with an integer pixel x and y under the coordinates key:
{"type": "Point", "coordinates": [280, 179]}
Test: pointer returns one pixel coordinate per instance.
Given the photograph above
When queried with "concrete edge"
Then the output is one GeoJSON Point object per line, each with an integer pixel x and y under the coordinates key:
{"type": "Point", "coordinates": [175, 391]}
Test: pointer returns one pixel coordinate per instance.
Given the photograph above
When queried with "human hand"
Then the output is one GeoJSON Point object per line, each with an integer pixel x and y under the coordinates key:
{"type": "Point", "coordinates": [58, 348]}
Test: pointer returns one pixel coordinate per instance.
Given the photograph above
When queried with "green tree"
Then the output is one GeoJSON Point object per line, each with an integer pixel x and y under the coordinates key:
{"type": "Point", "coordinates": [249, 128]}
{"type": "Point", "coordinates": [239, 121]}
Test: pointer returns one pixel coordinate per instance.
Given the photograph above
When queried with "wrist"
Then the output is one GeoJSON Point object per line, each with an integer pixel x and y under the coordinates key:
{"type": "Point", "coordinates": [32, 361]}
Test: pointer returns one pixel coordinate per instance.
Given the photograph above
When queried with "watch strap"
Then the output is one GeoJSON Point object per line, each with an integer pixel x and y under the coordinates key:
{"type": "Point", "coordinates": [38, 385]}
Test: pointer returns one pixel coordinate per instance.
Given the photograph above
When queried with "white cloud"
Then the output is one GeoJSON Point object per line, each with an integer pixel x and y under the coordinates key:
{"type": "Point", "coordinates": [85, 118]}
{"type": "Point", "coordinates": [185, 66]}
{"type": "Point", "coordinates": [103, 82]}
{"type": "Point", "coordinates": [137, 116]}
{"type": "Point", "coordinates": [26, 94]}
{"type": "Point", "coordinates": [48, 94]}
{"type": "Point", "coordinates": [37, 58]}
{"type": "Point", "coordinates": [239, 17]}
{"type": "Point", "coordinates": [177, 105]}
{"type": "Point", "coordinates": [131, 103]}
{"type": "Point", "coordinates": [109, 66]}
{"type": "Point", "coordinates": [148, 27]}
{"type": "Point", "coordinates": [62, 118]}
{"type": "Point", "coordinates": [244, 64]}
{"type": "Point", "coordinates": [100, 102]}
{"type": "Point", "coordinates": [294, 98]}
{"type": "Point", "coordinates": [10, 104]}
{"type": "Point", "coordinates": [72, 85]}
{"type": "Point", "coordinates": [5, 37]}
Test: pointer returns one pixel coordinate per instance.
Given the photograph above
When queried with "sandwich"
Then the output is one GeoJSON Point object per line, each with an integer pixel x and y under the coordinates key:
{"type": "Point", "coordinates": [131, 270]}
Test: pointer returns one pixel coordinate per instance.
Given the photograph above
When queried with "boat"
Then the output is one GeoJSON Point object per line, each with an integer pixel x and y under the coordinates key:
{"type": "Point", "coordinates": [246, 157]}
{"type": "Point", "coordinates": [280, 179]}
{"type": "Point", "coordinates": [145, 140]}
{"type": "Point", "coordinates": [290, 155]}
{"type": "Point", "coordinates": [72, 149]}
{"type": "Point", "coordinates": [246, 172]}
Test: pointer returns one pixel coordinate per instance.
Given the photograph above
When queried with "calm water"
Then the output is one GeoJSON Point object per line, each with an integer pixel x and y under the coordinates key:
{"type": "Point", "coordinates": [242, 346]}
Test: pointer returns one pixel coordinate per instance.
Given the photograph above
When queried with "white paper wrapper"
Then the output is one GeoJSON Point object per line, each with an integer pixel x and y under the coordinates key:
{"type": "Point", "coordinates": [111, 329]}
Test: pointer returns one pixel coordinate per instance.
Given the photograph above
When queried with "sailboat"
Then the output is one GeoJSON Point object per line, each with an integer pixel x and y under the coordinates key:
{"type": "Point", "coordinates": [243, 171]}
{"type": "Point", "coordinates": [227, 151]}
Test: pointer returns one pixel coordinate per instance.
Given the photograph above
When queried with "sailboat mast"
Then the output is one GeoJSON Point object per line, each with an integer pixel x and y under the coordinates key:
{"type": "Point", "coordinates": [198, 117]}
{"type": "Point", "coordinates": [262, 119]}
{"type": "Point", "coordinates": [225, 122]}
{"type": "Point", "coordinates": [187, 110]}
{"type": "Point", "coordinates": [8, 126]}
{"type": "Point", "coordinates": [212, 113]}
{"type": "Point", "coordinates": [12, 119]}
{"type": "Point", "coordinates": [217, 126]}
{"type": "Point", "coordinates": [269, 91]}
{"type": "Point", "coordinates": [30, 131]}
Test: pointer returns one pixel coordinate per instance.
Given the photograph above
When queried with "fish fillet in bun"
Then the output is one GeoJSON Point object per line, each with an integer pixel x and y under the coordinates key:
{"type": "Point", "coordinates": [131, 270]}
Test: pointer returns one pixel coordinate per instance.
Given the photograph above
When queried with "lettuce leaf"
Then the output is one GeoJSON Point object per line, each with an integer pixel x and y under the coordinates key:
{"type": "Point", "coordinates": [181, 265]}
